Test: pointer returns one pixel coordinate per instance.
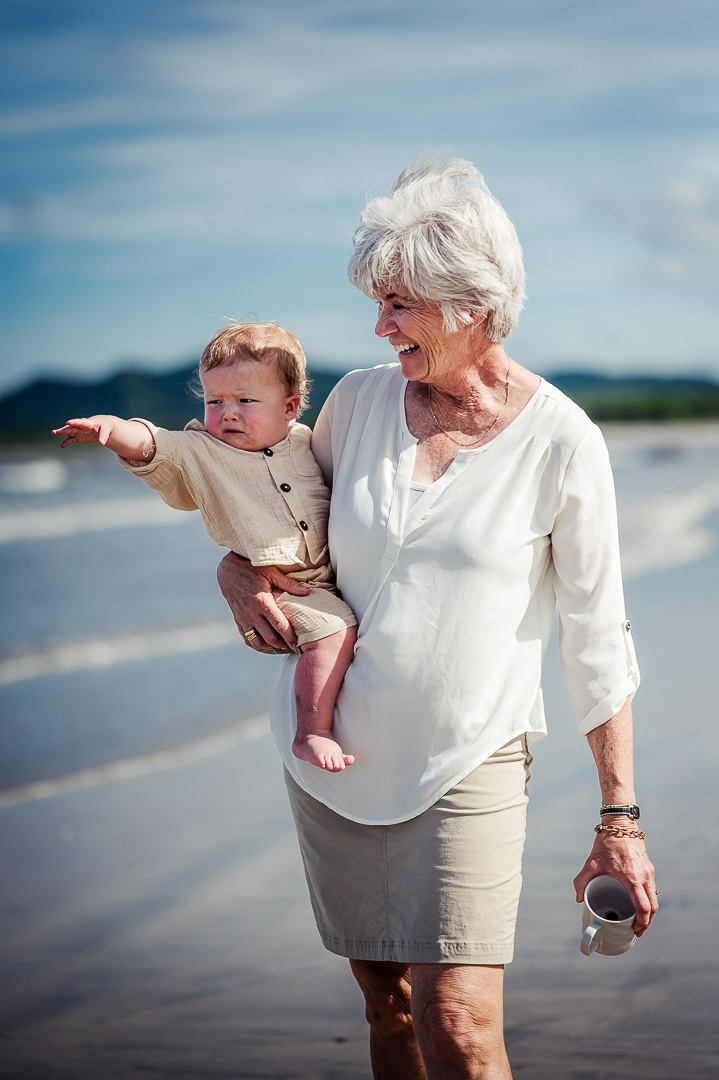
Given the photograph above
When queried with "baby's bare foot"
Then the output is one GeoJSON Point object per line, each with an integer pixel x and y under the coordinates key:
{"type": "Point", "coordinates": [320, 751]}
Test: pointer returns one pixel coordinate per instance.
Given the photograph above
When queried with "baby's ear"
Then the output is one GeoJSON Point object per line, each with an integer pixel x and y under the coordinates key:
{"type": "Point", "coordinates": [292, 406]}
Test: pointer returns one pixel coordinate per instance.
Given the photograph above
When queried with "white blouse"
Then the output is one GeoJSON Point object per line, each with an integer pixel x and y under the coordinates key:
{"type": "Point", "coordinates": [455, 596]}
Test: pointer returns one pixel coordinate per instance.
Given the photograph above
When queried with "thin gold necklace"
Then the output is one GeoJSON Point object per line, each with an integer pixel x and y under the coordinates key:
{"type": "Point", "coordinates": [489, 430]}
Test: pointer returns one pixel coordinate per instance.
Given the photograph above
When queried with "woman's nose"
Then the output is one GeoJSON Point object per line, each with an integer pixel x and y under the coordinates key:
{"type": "Point", "coordinates": [385, 323]}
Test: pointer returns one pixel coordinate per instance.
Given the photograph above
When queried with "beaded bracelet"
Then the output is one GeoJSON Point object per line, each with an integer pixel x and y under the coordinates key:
{"type": "Point", "coordinates": [635, 833]}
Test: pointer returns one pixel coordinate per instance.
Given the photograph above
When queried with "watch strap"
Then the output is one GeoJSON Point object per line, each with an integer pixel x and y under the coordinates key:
{"type": "Point", "coordinates": [626, 809]}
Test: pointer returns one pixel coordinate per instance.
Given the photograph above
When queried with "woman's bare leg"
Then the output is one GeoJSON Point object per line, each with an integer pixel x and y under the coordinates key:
{"type": "Point", "coordinates": [434, 1021]}
{"type": "Point", "coordinates": [318, 677]}
{"type": "Point", "coordinates": [394, 1052]}
{"type": "Point", "coordinates": [458, 1020]}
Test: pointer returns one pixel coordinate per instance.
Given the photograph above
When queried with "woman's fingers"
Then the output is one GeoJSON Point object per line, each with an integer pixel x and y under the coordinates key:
{"type": "Point", "coordinates": [269, 638]}
{"type": "Point", "coordinates": [279, 632]}
{"type": "Point", "coordinates": [248, 591]}
{"type": "Point", "coordinates": [642, 906]}
{"type": "Point", "coordinates": [278, 580]}
{"type": "Point", "coordinates": [632, 868]}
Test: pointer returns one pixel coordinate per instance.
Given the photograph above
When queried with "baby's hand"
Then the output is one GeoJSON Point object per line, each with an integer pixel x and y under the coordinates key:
{"type": "Point", "coordinates": [86, 429]}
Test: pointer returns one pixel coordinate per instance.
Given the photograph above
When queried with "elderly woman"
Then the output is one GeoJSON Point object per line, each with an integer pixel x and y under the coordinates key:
{"type": "Point", "coordinates": [468, 497]}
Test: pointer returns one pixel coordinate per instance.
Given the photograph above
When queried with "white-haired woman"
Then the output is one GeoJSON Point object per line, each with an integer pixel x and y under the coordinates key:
{"type": "Point", "coordinates": [469, 496]}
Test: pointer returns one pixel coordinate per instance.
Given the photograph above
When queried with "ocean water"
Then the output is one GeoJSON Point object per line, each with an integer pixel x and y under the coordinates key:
{"type": "Point", "coordinates": [154, 910]}
{"type": "Point", "coordinates": [115, 642]}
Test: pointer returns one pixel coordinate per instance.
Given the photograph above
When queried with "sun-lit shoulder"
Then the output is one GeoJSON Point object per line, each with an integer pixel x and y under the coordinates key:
{"type": "Point", "coordinates": [573, 423]}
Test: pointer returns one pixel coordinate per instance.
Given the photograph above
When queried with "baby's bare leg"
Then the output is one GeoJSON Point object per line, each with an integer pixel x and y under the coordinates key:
{"type": "Point", "coordinates": [318, 677]}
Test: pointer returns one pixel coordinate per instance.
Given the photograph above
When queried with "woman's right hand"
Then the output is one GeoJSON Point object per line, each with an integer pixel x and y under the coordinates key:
{"type": "Point", "coordinates": [248, 591]}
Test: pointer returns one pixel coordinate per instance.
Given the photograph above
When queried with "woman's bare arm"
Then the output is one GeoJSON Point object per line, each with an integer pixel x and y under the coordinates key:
{"type": "Point", "coordinates": [248, 591]}
{"type": "Point", "coordinates": [624, 858]}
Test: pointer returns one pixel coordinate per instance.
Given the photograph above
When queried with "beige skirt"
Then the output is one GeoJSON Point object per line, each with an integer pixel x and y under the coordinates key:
{"type": "Point", "coordinates": [442, 888]}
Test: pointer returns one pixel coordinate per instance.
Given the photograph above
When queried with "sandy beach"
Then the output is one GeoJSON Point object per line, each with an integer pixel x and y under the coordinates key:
{"type": "Point", "coordinates": [154, 917]}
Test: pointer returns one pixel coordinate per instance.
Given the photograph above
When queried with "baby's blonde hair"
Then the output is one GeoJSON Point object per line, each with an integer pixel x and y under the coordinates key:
{"type": "Point", "coordinates": [262, 343]}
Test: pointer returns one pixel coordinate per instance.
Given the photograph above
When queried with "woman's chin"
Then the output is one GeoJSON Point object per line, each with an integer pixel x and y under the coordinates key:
{"type": "Point", "coordinates": [414, 365]}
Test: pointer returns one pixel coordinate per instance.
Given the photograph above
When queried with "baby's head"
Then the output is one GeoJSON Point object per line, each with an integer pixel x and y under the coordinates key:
{"type": "Point", "coordinates": [254, 383]}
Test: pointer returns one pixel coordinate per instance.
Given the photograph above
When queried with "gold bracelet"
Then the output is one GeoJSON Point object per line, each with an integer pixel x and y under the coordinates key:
{"type": "Point", "coordinates": [637, 834]}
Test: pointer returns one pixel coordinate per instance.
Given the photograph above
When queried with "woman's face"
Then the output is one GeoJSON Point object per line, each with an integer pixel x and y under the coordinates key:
{"type": "Point", "coordinates": [415, 329]}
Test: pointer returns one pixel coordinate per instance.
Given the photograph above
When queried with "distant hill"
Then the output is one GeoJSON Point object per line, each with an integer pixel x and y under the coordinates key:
{"type": "Point", "coordinates": [640, 397]}
{"type": "Point", "coordinates": [28, 414]}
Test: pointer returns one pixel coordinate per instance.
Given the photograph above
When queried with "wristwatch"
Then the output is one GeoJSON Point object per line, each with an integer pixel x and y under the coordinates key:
{"type": "Point", "coordinates": [625, 809]}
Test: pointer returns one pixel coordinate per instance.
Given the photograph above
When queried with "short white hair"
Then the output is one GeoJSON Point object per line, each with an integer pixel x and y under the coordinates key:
{"type": "Point", "coordinates": [441, 236]}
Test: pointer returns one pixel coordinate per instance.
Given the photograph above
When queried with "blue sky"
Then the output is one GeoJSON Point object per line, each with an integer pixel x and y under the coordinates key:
{"type": "Point", "coordinates": [166, 164]}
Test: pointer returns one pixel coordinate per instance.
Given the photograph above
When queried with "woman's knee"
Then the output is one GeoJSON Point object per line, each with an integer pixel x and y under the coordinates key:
{"type": "Point", "coordinates": [387, 994]}
{"type": "Point", "coordinates": [457, 1032]}
{"type": "Point", "coordinates": [459, 1023]}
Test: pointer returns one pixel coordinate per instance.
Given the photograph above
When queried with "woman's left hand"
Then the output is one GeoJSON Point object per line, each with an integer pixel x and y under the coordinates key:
{"type": "Point", "coordinates": [624, 858]}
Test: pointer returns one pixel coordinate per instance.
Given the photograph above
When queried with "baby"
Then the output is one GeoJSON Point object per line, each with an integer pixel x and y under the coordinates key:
{"type": "Point", "coordinates": [250, 472]}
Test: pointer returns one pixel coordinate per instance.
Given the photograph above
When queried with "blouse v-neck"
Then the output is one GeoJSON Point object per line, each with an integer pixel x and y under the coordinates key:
{"type": "Point", "coordinates": [410, 440]}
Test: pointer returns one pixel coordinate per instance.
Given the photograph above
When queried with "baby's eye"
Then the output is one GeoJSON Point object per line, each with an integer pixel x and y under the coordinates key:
{"type": "Point", "coordinates": [246, 400]}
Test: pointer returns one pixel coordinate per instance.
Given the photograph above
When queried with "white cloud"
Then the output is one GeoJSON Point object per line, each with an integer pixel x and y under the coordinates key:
{"type": "Point", "coordinates": [243, 61]}
{"type": "Point", "coordinates": [252, 122]}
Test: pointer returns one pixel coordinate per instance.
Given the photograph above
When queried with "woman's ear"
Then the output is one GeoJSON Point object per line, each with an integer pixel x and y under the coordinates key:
{"type": "Point", "coordinates": [292, 406]}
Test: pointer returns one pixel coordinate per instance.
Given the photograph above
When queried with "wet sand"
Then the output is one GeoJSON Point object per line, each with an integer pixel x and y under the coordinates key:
{"type": "Point", "coordinates": [159, 924]}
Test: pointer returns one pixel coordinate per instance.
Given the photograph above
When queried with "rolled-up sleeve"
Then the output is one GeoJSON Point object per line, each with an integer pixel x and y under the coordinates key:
{"type": "Point", "coordinates": [165, 473]}
{"type": "Point", "coordinates": [595, 642]}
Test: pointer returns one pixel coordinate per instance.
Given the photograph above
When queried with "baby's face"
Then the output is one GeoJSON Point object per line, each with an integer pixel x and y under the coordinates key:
{"type": "Point", "coordinates": [246, 405]}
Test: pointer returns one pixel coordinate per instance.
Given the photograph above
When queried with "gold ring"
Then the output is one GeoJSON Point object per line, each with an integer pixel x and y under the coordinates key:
{"type": "Point", "coordinates": [250, 634]}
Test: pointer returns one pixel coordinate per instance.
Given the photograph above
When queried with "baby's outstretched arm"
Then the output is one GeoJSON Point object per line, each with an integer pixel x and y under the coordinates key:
{"type": "Point", "coordinates": [128, 438]}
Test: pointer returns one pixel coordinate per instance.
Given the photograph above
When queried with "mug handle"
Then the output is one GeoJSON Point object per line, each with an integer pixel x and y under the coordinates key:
{"type": "Point", "coordinates": [590, 941]}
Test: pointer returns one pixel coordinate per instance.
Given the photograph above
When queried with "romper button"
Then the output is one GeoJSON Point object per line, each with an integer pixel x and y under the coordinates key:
{"type": "Point", "coordinates": [285, 487]}
{"type": "Point", "coordinates": [304, 526]}
{"type": "Point", "coordinates": [268, 452]}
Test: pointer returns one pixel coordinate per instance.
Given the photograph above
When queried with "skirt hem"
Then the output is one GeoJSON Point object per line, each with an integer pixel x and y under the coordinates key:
{"type": "Point", "coordinates": [420, 952]}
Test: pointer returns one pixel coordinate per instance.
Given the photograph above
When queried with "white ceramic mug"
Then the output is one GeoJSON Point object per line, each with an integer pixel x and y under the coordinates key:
{"type": "Point", "coordinates": [607, 918]}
